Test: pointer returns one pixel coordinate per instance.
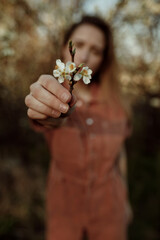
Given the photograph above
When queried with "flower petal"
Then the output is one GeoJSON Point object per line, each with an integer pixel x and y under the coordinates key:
{"type": "Point", "coordinates": [60, 64]}
{"type": "Point", "coordinates": [68, 63]}
{"type": "Point", "coordinates": [56, 73]}
{"type": "Point", "coordinates": [68, 77]}
{"type": "Point", "coordinates": [89, 71]}
{"type": "Point", "coordinates": [61, 79]}
{"type": "Point", "coordinates": [85, 68]}
{"type": "Point", "coordinates": [77, 77]}
{"type": "Point", "coordinates": [70, 67]}
{"type": "Point", "coordinates": [86, 80]}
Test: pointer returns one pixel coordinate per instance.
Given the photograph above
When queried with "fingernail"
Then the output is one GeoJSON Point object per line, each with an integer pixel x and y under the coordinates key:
{"type": "Point", "coordinates": [63, 108]}
{"type": "Point", "coordinates": [55, 113]}
{"type": "Point", "coordinates": [65, 97]}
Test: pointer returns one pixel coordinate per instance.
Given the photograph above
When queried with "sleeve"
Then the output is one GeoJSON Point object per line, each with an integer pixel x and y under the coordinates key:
{"type": "Point", "coordinates": [50, 123]}
{"type": "Point", "coordinates": [36, 126]}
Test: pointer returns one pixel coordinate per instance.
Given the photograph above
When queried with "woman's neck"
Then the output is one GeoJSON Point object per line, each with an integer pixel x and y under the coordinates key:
{"type": "Point", "coordinates": [82, 91]}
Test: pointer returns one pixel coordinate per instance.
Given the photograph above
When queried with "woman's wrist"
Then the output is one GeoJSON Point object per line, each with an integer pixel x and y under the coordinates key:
{"type": "Point", "coordinates": [49, 122]}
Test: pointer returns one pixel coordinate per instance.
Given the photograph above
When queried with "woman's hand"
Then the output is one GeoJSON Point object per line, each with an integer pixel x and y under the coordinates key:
{"type": "Point", "coordinates": [48, 98]}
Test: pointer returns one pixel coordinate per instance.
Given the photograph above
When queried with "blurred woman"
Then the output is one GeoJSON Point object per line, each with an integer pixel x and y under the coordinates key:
{"type": "Point", "coordinates": [86, 188]}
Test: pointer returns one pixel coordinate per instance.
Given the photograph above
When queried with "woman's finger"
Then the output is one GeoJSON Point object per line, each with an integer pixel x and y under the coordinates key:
{"type": "Point", "coordinates": [73, 100]}
{"type": "Point", "coordinates": [35, 115]}
{"type": "Point", "coordinates": [53, 86]}
{"type": "Point", "coordinates": [47, 98]}
{"type": "Point", "coordinates": [38, 106]}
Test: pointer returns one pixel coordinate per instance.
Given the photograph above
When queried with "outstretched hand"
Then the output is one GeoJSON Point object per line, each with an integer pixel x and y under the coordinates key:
{"type": "Point", "coordinates": [48, 98]}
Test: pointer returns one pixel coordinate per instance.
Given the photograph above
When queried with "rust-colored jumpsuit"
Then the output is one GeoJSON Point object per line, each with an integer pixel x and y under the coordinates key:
{"type": "Point", "coordinates": [85, 189]}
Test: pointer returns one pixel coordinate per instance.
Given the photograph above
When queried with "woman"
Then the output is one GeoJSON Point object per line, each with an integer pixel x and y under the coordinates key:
{"type": "Point", "coordinates": [86, 191]}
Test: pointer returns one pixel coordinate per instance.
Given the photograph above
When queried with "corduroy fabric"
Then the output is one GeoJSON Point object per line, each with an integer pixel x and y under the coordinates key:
{"type": "Point", "coordinates": [85, 189]}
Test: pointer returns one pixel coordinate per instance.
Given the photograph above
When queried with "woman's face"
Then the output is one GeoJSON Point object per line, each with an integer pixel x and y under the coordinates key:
{"type": "Point", "coordinates": [90, 43]}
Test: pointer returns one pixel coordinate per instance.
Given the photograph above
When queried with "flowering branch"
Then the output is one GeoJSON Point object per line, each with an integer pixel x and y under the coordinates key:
{"type": "Point", "coordinates": [71, 50]}
{"type": "Point", "coordinates": [70, 71]}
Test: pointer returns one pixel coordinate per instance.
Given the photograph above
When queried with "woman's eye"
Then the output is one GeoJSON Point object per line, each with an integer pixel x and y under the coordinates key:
{"type": "Point", "coordinates": [97, 52]}
{"type": "Point", "coordinates": [78, 44]}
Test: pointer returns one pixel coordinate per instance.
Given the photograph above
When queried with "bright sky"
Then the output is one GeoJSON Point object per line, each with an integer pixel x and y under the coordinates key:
{"type": "Point", "coordinates": [102, 5]}
{"type": "Point", "coordinates": [105, 6]}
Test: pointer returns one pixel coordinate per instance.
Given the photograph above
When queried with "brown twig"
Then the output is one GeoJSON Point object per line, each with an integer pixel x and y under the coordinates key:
{"type": "Point", "coordinates": [72, 53]}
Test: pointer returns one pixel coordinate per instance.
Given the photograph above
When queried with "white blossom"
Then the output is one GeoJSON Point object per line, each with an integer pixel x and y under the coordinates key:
{"type": "Point", "coordinates": [60, 72]}
{"type": "Point", "coordinates": [85, 74]}
{"type": "Point", "coordinates": [68, 71]}
{"type": "Point", "coordinates": [77, 77]}
{"type": "Point", "coordinates": [60, 65]}
{"type": "Point", "coordinates": [70, 67]}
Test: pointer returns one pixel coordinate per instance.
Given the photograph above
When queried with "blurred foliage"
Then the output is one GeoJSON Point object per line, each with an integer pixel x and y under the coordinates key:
{"type": "Point", "coordinates": [30, 35]}
{"type": "Point", "coordinates": [30, 38]}
{"type": "Point", "coordinates": [144, 172]}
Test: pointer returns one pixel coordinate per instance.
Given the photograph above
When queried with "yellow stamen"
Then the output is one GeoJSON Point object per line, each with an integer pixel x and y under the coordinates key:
{"type": "Point", "coordinates": [85, 72]}
{"type": "Point", "coordinates": [71, 67]}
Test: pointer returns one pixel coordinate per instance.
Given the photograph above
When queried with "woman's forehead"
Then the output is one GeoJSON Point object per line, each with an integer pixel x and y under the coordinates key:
{"type": "Point", "coordinates": [89, 33]}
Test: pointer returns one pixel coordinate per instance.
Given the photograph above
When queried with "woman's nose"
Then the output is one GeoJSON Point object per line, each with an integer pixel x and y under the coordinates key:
{"type": "Point", "coordinates": [83, 56]}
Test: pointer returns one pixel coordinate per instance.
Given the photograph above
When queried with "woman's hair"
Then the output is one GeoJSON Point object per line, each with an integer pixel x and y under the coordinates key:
{"type": "Point", "coordinates": [105, 28]}
{"type": "Point", "coordinates": [108, 71]}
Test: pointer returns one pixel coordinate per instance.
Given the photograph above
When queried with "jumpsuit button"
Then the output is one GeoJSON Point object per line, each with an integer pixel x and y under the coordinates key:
{"type": "Point", "coordinates": [79, 103]}
{"type": "Point", "coordinates": [89, 121]}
